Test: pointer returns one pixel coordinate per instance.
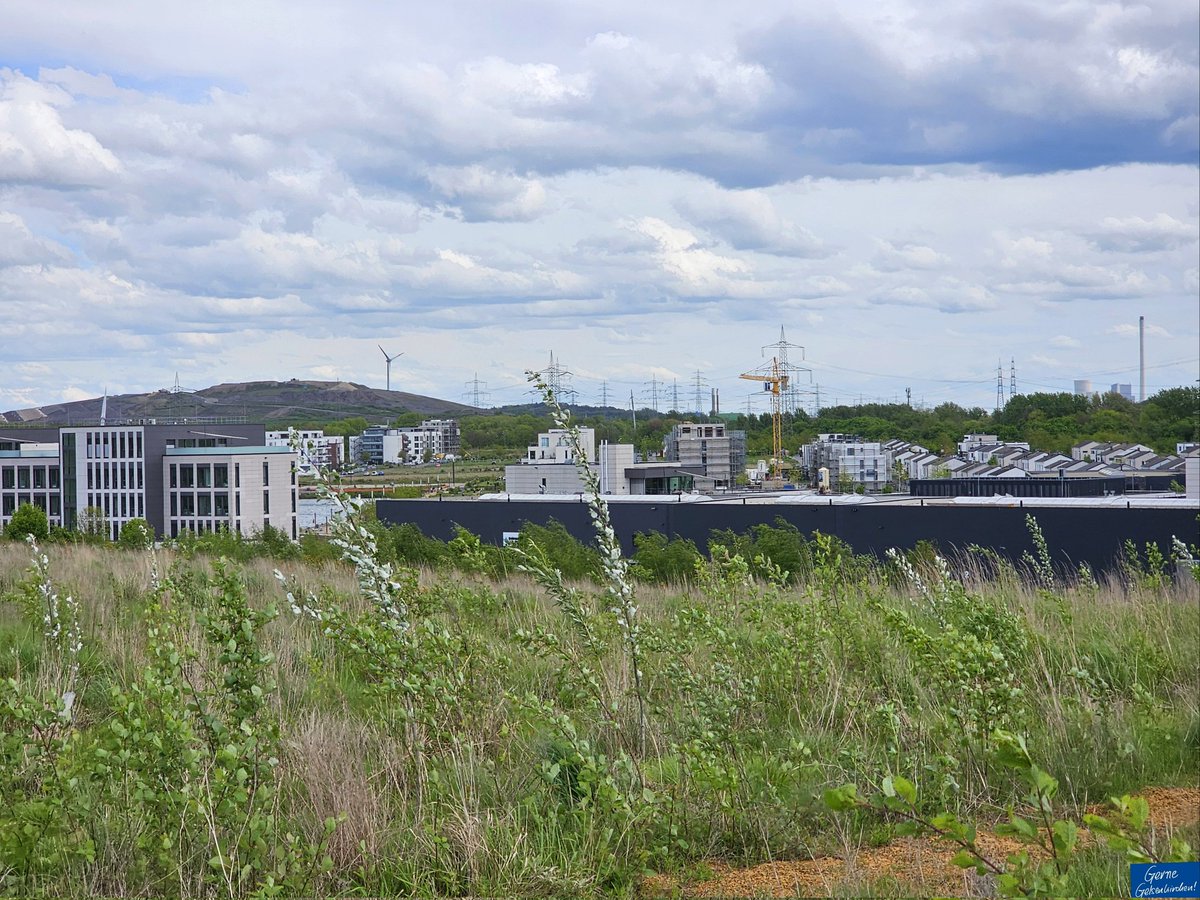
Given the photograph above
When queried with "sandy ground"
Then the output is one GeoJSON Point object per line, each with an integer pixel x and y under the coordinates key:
{"type": "Point", "coordinates": [920, 866]}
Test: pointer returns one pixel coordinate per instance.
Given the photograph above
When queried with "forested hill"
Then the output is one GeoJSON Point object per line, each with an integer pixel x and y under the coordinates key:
{"type": "Point", "coordinates": [274, 402]}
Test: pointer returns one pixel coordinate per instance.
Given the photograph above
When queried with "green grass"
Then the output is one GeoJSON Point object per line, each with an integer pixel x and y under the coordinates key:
{"type": "Point", "coordinates": [760, 697]}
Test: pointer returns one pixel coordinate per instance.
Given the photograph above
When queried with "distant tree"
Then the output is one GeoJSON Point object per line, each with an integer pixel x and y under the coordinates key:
{"type": "Point", "coordinates": [27, 520]}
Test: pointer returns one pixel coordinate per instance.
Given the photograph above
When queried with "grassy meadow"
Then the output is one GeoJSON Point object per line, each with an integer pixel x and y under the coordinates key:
{"type": "Point", "coordinates": [196, 727]}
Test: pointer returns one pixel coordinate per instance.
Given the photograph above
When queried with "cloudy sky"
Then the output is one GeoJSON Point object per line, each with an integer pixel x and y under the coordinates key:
{"type": "Point", "coordinates": [268, 190]}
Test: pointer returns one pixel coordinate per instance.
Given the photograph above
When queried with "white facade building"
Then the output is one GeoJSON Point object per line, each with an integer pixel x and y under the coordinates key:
{"type": "Point", "coordinates": [554, 446]}
{"type": "Point", "coordinates": [240, 489]}
{"type": "Point", "coordinates": [850, 460]}
{"type": "Point", "coordinates": [174, 476]}
{"type": "Point", "coordinates": [317, 450]}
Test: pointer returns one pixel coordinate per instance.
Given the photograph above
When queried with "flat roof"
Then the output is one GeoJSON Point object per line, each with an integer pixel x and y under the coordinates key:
{"type": "Point", "coordinates": [227, 451]}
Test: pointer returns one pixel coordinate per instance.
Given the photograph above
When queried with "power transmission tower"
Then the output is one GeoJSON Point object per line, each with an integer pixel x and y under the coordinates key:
{"type": "Point", "coordinates": [604, 393]}
{"type": "Point", "coordinates": [653, 382]}
{"type": "Point", "coordinates": [558, 379]}
{"type": "Point", "coordinates": [699, 384]}
{"type": "Point", "coordinates": [674, 395]}
{"type": "Point", "coordinates": [788, 399]}
{"type": "Point", "coordinates": [999, 386]}
{"type": "Point", "coordinates": [475, 394]}
{"type": "Point", "coordinates": [1012, 378]}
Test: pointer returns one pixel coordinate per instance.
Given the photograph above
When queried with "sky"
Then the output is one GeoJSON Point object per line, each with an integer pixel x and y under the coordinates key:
{"type": "Point", "coordinates": [916, 193]}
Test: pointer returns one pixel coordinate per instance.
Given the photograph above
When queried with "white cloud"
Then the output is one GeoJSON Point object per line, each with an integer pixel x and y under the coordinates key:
{"type": "Point", "coordinates": [1128, 329]}
{"type": "Point", "coordinates": [483, 195]}
{"type": "Point", "coordinates": [36, 146]}
{"type": "Point", "coordinates": [1138, 235]}
{"type": "Point", "coordinates": [749, 220]}
{"type": "Point", "coordinates": [1064, 341]}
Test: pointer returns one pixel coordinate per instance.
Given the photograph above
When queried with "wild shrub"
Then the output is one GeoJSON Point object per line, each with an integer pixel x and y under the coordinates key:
{"type": "Point", "coordinates": [659, 560]}
{"type": "Point", "coordinates": [969, 650]}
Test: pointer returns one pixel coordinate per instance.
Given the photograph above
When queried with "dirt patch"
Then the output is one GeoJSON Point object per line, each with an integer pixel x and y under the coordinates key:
{"type": "Point", "coordinates": [920, 866]}
{"type": "Point", "coordinates": [1173, 807]}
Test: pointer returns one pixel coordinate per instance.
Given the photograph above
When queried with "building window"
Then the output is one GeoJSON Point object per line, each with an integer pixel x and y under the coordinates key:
{"type": "Point", "coordinates": [221, 476]}
{"type": "Point", "coordinates": [187, 477]}
{"type": "Point", "coordinates": [266, 473]}
{"type": "Point", "coordinates": [174, 477]}
{"type": "Point", "coordinates": [187, 504]}
{"type": "Point", "coordinates": [23, 478]}
{"type": "Point", "coordinates": [55, 505]}
{"type": "Point", "coordinates": [54, 478]}
{"type": "Point", "coordinates": [204, 504]}
{"type": "Point", "coordinates": [237, 475]}
{"type": "Point", "coordinates": [39, 478]}
{"type": "Point", "coordinates": [141, 510]}
{"type": "Point", "coordinates": [8, 478]}
{"type": "Point", "coordinates": [266, 503]}
{"type": "Point", "coordinates": [174, 504]}
{"type": "Point", "coordinates": [221, 505]}
{"type": "Point", "coordinates": [237, 504]}
{"type": "Point", "coordinates": [204, 476]}
{"type": "Point", "coordinates": [293, 501]}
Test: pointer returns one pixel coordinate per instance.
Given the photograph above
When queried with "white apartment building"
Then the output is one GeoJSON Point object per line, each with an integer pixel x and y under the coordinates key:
{"type": "Point", "coordinates": [554, 446]}
{"type": "Point", "coordinates": [432, 439]}
{"type": "Point", "coordinates": [317, 450]}
{"type": "Point", "coordinates": [558, 478]}
{"type": "Point", "coordinates": [849, 459]}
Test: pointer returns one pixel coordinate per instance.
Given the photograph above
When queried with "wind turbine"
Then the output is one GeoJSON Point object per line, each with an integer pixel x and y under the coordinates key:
{"type": "Point", "coordinates": [389, 364]}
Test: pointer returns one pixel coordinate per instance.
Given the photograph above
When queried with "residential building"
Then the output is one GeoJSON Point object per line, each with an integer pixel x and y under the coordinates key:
{"type": "Point", "coordinates": [555, 446]}
{"type": "Point", "coordinates": [851, 461]}
{"type": "Point", "coordinates": [317, 450]}
{"type": "Point", "coordinates": [115, 473]}
{"type": "Point", "coordinates": [715, 455]}
{"type": "Point", "coordinates": [432, 439]}
{"type": "Point", "coordinates": [549, 466]}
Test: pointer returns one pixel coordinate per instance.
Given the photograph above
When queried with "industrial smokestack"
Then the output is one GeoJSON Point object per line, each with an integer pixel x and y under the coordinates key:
{"type": "Point", "coordinates": [1142, 359]}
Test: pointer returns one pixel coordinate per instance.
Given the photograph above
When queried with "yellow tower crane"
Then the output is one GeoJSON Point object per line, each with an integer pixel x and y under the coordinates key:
{"type": "Point", "coordinates": [774, 379]}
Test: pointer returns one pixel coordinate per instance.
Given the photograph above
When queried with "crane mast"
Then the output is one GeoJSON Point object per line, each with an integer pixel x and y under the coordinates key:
{"type": "Point", "coordinates": [774, 379]}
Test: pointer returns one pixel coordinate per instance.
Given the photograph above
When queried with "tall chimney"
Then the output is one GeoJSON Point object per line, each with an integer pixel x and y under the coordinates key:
{"type": "Point", "coordinates": [1142, 358]}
